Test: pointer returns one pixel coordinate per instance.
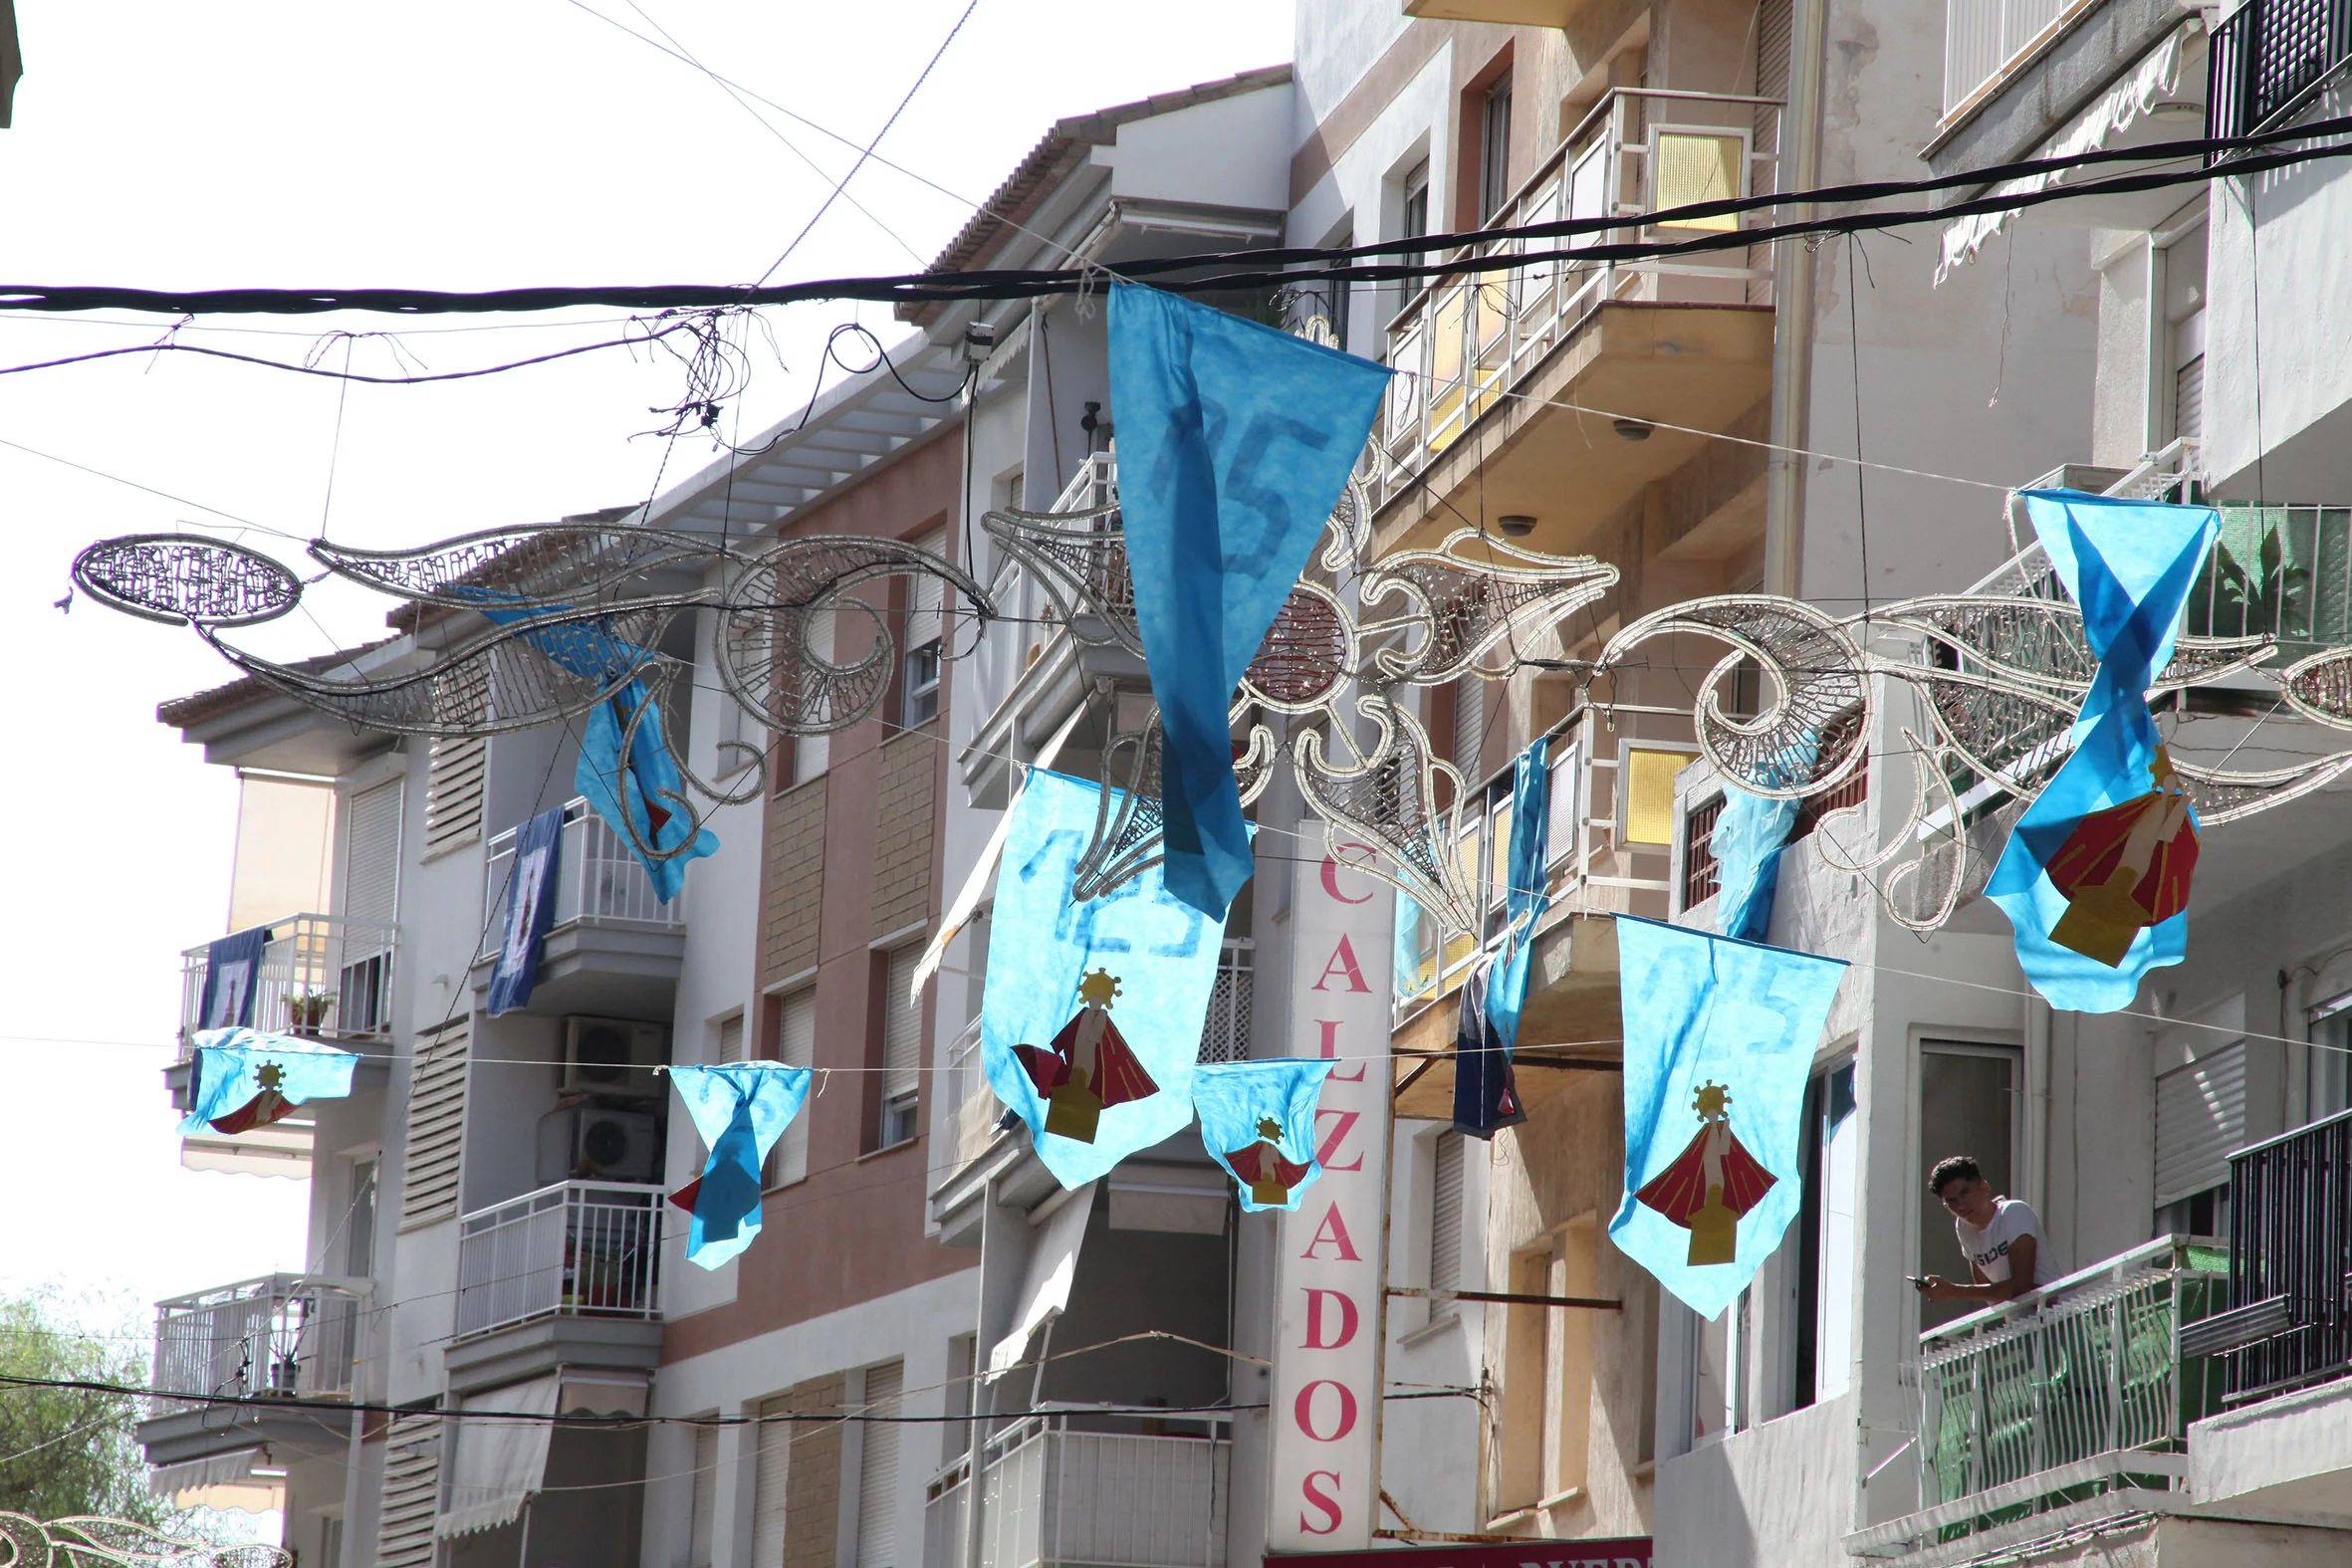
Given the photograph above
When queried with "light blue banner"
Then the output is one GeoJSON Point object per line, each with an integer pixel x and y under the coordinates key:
{"type": "Point", "coordinates": [2130, 565]}
{"type": "Point", "coordinates": [1043, 943]}
{"type": "Point", "coordinates": [247, 1078]}
{"type": "Point", "coordinates": [1527, 895]}
{"type": "Point", "coordinates": [1235, 443]}
{"type": "Point", "coordinates": [1702, 1009]}
{"type": "Point", "coordinates": [1258, 1121]}
{"type": "Point", "coordinates": [740, 1108]}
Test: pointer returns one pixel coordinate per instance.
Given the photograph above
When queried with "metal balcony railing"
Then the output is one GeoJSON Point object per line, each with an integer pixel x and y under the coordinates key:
{"type": "Point", "coordinates": [2269, 59]}
{"type": "Point", "coordinates": [1982, 38]}
{"type": "Point", "coordinates": [2061, 1396]}
{"type": "Point", "coordinates": [2291, 1261]}
{"type": "Point", "coordinates": [1022, 633]}
{"type": "Point", "coordinates": [598, 881]}
{"type": "Point", "coordinates": [1052, 1494]}
{"type": "Point", "coordinates": [294, 1336]}
{"type": "Point", "coordinates": [575, 1248]}
{"type": "Point", "coordinates": [1467, 339]}
{"type": "Point", "coordinates": [319, 976]}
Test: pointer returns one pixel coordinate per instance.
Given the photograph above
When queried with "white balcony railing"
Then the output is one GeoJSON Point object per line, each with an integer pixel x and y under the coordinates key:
{"type": "Point", "coordinates": [317, 976]}
{"type": "Point", "coordinates": [1048, 1494]}
{"type": "Point", "coordinates": [598, 881]}
{"type": "Point", "coordinates": [1981, 37]}
{"type": "Point", "coordinates": [575, 1248]}
{"type": "Point", "coordinates": [1022, 633]}
{"type": "Point", "coordinates": [1467, 339]}
{"type": "Point", "coordinates": [289, 1335]}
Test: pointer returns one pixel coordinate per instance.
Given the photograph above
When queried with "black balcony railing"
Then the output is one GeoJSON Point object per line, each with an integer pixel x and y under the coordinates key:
{"type": "Point", "coordinates": [2290, 1259]}
{"type": "Point", "coordinates": [2269, 60]}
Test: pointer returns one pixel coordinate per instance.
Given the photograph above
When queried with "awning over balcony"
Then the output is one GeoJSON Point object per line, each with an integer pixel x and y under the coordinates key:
{"type": "Point", "coordinates": [2126, 115]}
{"type": "Point", "coordinates": [1044, 1284]}
{"type": "Point", "coordinates": [500, 1464]}
{"type": "Point", "coordinates": [214, 1469]}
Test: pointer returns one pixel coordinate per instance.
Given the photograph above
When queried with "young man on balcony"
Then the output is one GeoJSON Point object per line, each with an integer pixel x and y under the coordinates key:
{"type": "Point", "coordinates": [2000, 1237]}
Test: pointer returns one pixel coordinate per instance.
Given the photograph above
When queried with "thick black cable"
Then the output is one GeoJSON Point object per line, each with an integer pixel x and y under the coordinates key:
{"type": "Point", "coordinates": [1255, 268]}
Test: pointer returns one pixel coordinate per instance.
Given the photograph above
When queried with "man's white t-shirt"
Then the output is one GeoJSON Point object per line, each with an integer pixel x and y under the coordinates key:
{"type": "Point", "coordinates": [1988, 1248]}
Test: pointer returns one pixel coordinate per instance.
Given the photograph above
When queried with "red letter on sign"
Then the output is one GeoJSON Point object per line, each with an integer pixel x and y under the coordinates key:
{"type": "Point", "coordinates": [1331, 876]}
{"type": "Point", "coordinates": [1333, 1230]}
{"type": "Point", "coordinates": [1315, 1319]}
{"type": "Point", "coordinates": [1338, 1135]}
{"type": "Point", "coordinates": [1342, 962]}
{"type": "Point", "coordinates": [1332, 1052]}
{"type": "Point", "coordinates": [1304, 1411]}
{"type": "Point", "coordinates": [1322, 1501]}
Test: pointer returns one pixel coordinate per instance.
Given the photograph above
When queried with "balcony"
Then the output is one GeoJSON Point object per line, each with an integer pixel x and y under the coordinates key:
{"type": "Point", "coordinates": [973, 1111]}
{"type": "Point", "coordinates": [1684, 340]}
{"type": "Point", "coordinates": [2270, 60]}
{"type": "Point", "coordinates": [614, 946]}
{"type": "Point", "coordinates": [568, 1275]}
{"type": "Point", "coordinates": [2045, 1412]}
{"type": "Point", "coordinates": [319, 976]}
{"type": "Point", "coordinates": [1053, 1494]}
{"type": "Point", "coordinates": [1611, 849]}
{"type": "Point", "coordinates": [1984, 38]}
{"type": "Point", "coordinates": [294, 1338]}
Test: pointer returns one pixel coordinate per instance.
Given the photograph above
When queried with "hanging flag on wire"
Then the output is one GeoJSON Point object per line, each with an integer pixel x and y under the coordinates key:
{"type": "Point", "coordinates": [1720, 1036]}
{"type": "Point", "coordinates": [1235, 443]}
{"type": "Point", "coordinates": [231, 965]}
{"type": "Point", "coordinates": [2095, 875]}
{"type": "Point", "coordinates": [1749, 834]}
{"type": "Point", "coordinates": [1090, 1023]}
{"type": "Point", "coordinates": [532, 878]}
{"type": "Point", "coordinates": [1258, 1121]}
{"type": "Point", "coordinates": [247, 1078]}
{"type": "Point", "coordinates": [740, 1108]}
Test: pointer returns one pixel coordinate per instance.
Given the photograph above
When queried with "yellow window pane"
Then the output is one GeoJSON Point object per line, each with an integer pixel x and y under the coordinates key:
{"type": "Point", "coordinates": [1694, 167]}
{"type": "Point", "coordinates": [1649, 795]}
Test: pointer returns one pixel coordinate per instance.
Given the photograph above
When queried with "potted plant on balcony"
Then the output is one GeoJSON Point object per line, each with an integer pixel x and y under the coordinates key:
{"type": "Point", "coordinates": [306, 1010]}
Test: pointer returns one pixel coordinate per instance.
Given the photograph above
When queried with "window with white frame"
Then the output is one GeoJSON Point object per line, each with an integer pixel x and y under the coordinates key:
{"type": "Point", "coordinates": [701, 1526]}
{"type": "Point", "coordinates": [902, 1048]}
{"type": "Point", "coordinates": [877, 1468]}
{"type": "Point", "coordinates": [2328, 1072]}
{"type": "Point", "coordinates": [796, 1046]}
{"type": "Point", "coordinates": [924, 641]}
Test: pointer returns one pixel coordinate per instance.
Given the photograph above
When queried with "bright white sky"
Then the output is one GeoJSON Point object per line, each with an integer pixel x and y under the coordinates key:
{"type": "Point", "coordinates": [437, 146]}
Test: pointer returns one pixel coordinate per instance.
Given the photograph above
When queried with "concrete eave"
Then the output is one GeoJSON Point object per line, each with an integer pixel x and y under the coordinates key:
{"type": "Point", "coordinates": [548, 1344]}
{"type": "Point", "coordinates": [1570, 1025]}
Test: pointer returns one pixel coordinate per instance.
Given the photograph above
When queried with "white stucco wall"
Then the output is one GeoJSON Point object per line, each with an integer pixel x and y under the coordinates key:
{"type": "Point", "coordinates": [1229, 153]}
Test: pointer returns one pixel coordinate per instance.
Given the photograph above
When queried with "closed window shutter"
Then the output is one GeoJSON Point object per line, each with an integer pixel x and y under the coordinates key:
{"type": "Point", "coordinates": [929, 597]}
{"type": "Point", "coordinates": [1445, 1213]}
{"type": "Point", "coordinates": [706, 1497]}
{"type": "Point", "coordinates": [2200, 1118]}
{"type": "Point", "coordinates": [453, 793]}
{"type": "Point", "coordinates": [2189, 399]}
{"type": "Point", "coordinates": [1470, 725]}
{"type": "Point", "coordinates": [436, 1128]}
{"type": "Point", "coordinates": [902, 1027]}
{"type": "Point", "coordinates": [877, 1469]}
{"type": "Point", "coordinates": [412, 1494]}
{"type": "Point", "coordinates": [372, 857]}
{"type": "Point", "coordinates": [771, 1476]}
{"type": "Point", "coordinates": [812, 753]}
{"type": "Point", "coordinates": [796, 1046]}
{"type": "Point", "coordinates": [731, 1039]}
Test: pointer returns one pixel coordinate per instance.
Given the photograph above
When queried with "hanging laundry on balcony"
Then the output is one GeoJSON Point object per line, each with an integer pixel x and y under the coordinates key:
{"type": "Point", "coordinates": [2095, 877]}
{"type": "Point", "coordinates": [740, 1108]}
{"type": "Point", "coordinates": [1050, 957]}
{"type": "Point", "coordinates": [1749, 837]}
{"type": "Point", "coordinates": [1258, 1121]}
{"type": "Point", "coordinates": [642, 797]}
{"type": "Point", "coordinates": [530, 909]}
{"type": "Point", "coordinates": [247, 1078]}
{"type": "Point", "coordinates": [231, 966]}
{"type": "Point", "coordinates": [1235, 443]}
{"type": "Point", "coordinates": [1485, 1088]}
{"type": "Point", "coordinates": [1726, 1029]}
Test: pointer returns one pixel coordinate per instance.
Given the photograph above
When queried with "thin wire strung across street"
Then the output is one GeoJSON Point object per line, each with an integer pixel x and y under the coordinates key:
{"type": "Point", "coordinates": [2215, 157]}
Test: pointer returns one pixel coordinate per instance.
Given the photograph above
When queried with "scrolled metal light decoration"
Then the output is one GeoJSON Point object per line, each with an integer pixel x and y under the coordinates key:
{"type": "Point", "coordinates": [185, 580]}
{"type": "Point", "coordinates": [90, 1540]}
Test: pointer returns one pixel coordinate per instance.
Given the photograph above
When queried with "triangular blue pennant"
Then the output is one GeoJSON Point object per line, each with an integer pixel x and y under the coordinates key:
{"type": "Point", "coordinates": [740, 1108]}
{"type": "Point", "coordinates": [1258, 1121]}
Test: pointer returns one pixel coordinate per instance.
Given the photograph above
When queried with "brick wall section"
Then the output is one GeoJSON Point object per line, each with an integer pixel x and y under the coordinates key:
{"type": "Point", "coordinates": [903, 827]}
{"type": "Point", "coordinates": [813, 1485]}
{"type": "Point", "coordinates": [795, 873]}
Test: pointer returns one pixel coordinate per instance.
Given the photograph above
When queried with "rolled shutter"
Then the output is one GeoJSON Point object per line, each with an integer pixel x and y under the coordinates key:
{"type": "Point", "coordinates": [795, 1047]}
{"type": "Point", "coordinates": [2199, 1119]}
{"type": "Point", "coordinates": [372, 856]}
{"type": "Point", "coordinates": [706, 1497]}
{"type": "Point", "coordinates": [877, 1469]}
{"type": "Point", "coordinates": [902, 1027]}
{"type": "Point", "coordinates": [1445, 1213]}
{"type": "Point", "coordinates": [771, 1477]}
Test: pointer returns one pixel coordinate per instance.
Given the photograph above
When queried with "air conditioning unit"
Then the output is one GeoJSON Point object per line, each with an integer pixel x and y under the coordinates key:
{"type": "Point", "coordinates": [588, 1143]}
{"type": "Point", "coordinates": [612, 1056]}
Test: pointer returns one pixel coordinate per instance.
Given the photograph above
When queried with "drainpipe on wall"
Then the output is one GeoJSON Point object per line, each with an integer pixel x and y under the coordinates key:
{"type": "Point", "coordinates": [1792, 293]}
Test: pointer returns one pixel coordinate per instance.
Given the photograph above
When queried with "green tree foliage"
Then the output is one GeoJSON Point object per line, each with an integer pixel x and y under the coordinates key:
{"type": "Point", "coordinates": [66, 1452]}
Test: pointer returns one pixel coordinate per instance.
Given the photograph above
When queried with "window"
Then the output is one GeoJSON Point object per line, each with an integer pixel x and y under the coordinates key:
{"type": "Point", "coordinates": [1469, 727]}
{"type": "Point", "coordinates": [1494, 178]}
{"type": "Point", "coordinates": [1413, 221]}
{"type": "Point", "coordinates": [771, 1481]}
{"type": "Point", "coordinates": [1719, 1383]}
{"type": "Point", "coordinates": [1825, 1240]}
{"type": "Point", "coordinates": [453, 793]}
{"type": "Point", "coordinates": [1445, 1212]}
{"type": "Point", "coordinates": [1416, 950]}
{"type": "Point", "coordinates": [2182, 337]}
{"type": "Point", "coordinates": [358, 1259]}
{"type": "Point", "coordinates": [877, 1469]}
{"type": "Point", "coordinates": [1968, 1104]}
{"type": "Point", "coordinates": [902, 1048]}
{"type": "Point", "coordinates": [728, 1045]}
{"type": "Point", "coordinates": [2200, 1118]}
{"type": "Point", "coordinates": [1546, 1418]}
{"type": "Point", "coordinates": [812, 753]}
{"type": "Point", "coordinates": [1702, 875]}
{"type": "Point", "coordinates": [331, 1541]}
{"type": "Point", "coordinates": [795, 1026]}
{"type": "Point", "coordinates": [706, 1497]}
{"type": "Point", "coordinates": [1560, 829]}
{"type": "Point", "coordinates": [2329, 1070]}
{"type": "Point", "coordinates": [925, 627]}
